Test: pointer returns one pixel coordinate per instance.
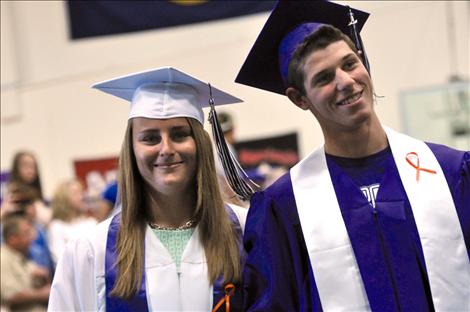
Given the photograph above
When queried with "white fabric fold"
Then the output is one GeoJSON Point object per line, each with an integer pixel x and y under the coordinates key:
{"type": "Point", "coordinates": [334, 266]}
{"type": "Point", "coordinates": [438, 225]}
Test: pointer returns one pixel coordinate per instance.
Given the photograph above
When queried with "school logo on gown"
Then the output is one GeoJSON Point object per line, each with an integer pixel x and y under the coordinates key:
{"type": "Point", "coordinates": [370, 192]}
{"type": "Point", "coordinates": [98, 18]}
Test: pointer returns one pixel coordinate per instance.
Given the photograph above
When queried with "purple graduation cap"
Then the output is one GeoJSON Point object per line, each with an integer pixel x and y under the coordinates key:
{"type": "Point", "coordinates": [289, 23]}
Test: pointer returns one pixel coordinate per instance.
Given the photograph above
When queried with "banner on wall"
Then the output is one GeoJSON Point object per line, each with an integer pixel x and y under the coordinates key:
{"type": "Point", "coordinates": [98, 18]}
{"type": "Point", "coordinates": [279, 150]}
{"type": "Point", "coordinates": [96, 174]}
{"type": "Point", "coordinates": [266, 159]}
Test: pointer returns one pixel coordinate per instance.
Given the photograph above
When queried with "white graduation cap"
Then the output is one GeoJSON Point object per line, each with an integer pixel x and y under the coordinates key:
{"type": "Point", "coordinates": [164, 93]}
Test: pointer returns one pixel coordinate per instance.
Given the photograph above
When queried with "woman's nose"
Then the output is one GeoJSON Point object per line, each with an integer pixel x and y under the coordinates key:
{"type": "Point", "coordinates": [167, 147]}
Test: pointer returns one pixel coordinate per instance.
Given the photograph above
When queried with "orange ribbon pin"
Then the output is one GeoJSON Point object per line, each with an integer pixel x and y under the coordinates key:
{"type": "Point", "coordinates": [229, 291]}
{"type": "Point", "coordinates": [414, 156]}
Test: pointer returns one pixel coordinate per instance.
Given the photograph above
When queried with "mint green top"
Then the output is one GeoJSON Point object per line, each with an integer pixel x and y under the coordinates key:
{"type": "Point", "coordinates": [175, 242]}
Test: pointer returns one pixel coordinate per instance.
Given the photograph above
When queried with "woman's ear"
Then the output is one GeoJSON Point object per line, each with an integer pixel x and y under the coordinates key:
{"type": "Point", "coordinates": [297, 98]}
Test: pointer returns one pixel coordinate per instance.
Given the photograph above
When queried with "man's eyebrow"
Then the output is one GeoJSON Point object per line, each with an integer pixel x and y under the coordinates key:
{"type": "Point", "coordinates": [349, 55]}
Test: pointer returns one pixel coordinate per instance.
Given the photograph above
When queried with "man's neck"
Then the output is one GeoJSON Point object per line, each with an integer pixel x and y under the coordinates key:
{"type": "Point", "coordinates": [368, 139]}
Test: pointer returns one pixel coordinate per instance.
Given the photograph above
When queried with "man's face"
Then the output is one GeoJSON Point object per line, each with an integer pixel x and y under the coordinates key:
{"type": "Point", "coordinates": [23, 238]}
{"type": "Point", "coordinates": [338, 88]}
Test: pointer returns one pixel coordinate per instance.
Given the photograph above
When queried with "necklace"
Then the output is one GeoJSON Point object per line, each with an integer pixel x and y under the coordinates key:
{"type": "Point", "coordinates": [189, 224]}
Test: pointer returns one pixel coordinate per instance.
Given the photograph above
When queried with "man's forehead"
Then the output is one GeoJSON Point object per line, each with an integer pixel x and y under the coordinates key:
{"type": "Point", "coordinates": [323, 58]}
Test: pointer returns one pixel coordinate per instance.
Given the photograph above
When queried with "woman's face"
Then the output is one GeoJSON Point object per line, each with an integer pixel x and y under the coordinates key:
{"type": "Point", "coordinates": [27, 168]}
{"type": "Point", "coordinates": [165, 153]}
{"type": "Point", "coordinates": [76, 195]}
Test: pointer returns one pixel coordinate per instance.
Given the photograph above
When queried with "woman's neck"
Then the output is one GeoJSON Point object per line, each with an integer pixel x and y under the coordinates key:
{"type": "Point", "coordinates": [171, 210]}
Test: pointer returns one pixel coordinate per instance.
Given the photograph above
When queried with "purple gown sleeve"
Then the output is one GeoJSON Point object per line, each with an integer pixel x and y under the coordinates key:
{"type": "Point", "coordinates": [277, 275]}
{"type": "Point", "coordinates": [462, 199]}
{"type": "Point", "coordinates": [456, 167]}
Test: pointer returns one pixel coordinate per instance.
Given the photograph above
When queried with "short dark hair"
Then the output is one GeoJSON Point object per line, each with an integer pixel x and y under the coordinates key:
{"type": "Point", "coordinates": [11, 225]}
{"type": "Point", "coordinates": [225, 121]}
{"type": "Point", "coordinates": [319, 39]}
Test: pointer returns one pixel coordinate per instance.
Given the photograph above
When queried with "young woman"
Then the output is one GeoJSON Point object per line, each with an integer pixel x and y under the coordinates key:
{"type": "Point", "coordinates": [69, 219]}
{"type": "Point", "coordinates": [175, 246]}
{"type": "Point", "coordinates": [24, 170]}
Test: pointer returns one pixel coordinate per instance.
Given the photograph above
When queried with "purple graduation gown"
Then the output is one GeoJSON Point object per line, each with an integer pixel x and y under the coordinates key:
{"type": "Point", "coordinates": [278, 275]}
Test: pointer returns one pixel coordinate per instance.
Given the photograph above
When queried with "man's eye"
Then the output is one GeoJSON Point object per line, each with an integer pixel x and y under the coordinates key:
{"type": "Point", "coordinates": [349, 65]}
{"type": "Point", "coordinates": [323, 79]}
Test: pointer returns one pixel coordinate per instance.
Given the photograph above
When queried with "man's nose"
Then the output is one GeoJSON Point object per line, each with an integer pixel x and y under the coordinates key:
{"type": "Point", "coordinates": [344, 81]}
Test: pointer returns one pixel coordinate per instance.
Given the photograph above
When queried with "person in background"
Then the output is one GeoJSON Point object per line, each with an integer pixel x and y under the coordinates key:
{"type": "Point", "coordinates": [24, 285]}
{"type": "Point", "coordinates": [228, 128]}
{"type": "Point", "coordinates": [371, 220]}
{"type": "Point", "coordinates": [21, 200]}
{"type": "Point", "coordinates": [174, 245]}
{"type": "Point", "coordinates": [69, 218]}
{"type": "Point", "coordinates": [25, 170]}
{"type": "Point", "coordinates": [107, 202]}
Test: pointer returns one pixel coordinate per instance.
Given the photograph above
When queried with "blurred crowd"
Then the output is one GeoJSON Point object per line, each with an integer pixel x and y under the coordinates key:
{"type": "Point", "coordinates": [34, 231]}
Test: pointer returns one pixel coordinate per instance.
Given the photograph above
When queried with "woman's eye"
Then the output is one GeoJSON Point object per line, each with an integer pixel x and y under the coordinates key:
{"type": "Point", "coordinates": [180, 135]}
{"type": "Point", "coordinates": [151, 139]}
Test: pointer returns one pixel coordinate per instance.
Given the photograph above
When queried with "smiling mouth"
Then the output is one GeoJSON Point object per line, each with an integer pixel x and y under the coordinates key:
{"type": "Point", "coordinates": [168, 165]}
{"type": "Point", "coordinates": [349, 100]}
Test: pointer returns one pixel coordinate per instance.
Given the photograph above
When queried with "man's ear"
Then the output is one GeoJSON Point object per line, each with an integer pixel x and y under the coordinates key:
{"type": "Point", "coordinates": [297, 98]}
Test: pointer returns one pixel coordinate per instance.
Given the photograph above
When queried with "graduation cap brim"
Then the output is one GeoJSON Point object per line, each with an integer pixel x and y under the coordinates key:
{"type": "Point", "coordinates": [261, 67]}
{"type": "Point", "coordinates": [125, 86]}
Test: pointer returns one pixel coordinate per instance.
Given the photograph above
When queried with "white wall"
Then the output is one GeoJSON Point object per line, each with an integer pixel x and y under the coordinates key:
{"type": "Point", "coordinates": [47, 105]}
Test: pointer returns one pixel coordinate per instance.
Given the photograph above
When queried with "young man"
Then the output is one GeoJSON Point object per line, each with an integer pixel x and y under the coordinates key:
{"type": "Point", "coordinates": [24, 285]}
{"type": "Point", "coordinates": [371, 220]}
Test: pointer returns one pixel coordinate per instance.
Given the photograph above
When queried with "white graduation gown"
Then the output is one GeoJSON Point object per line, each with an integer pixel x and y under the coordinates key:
{"type": "Point", "coordinates": [79, 282]}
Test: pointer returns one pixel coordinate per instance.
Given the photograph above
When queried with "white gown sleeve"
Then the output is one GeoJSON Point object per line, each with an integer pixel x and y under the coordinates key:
{"type": "Point", "coordinates": [74, 286]}
{"type": "Point", "coordinates": [57, 238]}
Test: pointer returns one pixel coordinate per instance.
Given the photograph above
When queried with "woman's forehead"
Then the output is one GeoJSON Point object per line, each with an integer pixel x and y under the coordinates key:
{"type": "Point", "coordinates": [139, 122]}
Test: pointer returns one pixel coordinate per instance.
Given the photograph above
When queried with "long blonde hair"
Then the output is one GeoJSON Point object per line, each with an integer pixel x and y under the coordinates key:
{"type": "Point", "coordinates": [217, 234]}
{"type": "Point", "coordinates": [62, 207]}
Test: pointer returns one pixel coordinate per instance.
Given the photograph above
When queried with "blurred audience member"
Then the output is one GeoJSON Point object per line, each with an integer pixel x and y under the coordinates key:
{"type": "Point", "coordinates": [24, 285]}
{"type": "Point", "coordinates": [25, 170]}
{"type": "Point", "coordinates": [21, 200]}
{"type": "Point", "coordinates": [69, 218]}
{"type": "Point", "coordinates": [228, 128]}
{"type": "Point", "coordinates": [104, 206]}
{"type": "Point", "coordinates": [110, 196]}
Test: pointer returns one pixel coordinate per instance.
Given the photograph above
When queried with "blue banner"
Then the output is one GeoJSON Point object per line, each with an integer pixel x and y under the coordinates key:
{"type": "Point", "coordinates": [98, 18]}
